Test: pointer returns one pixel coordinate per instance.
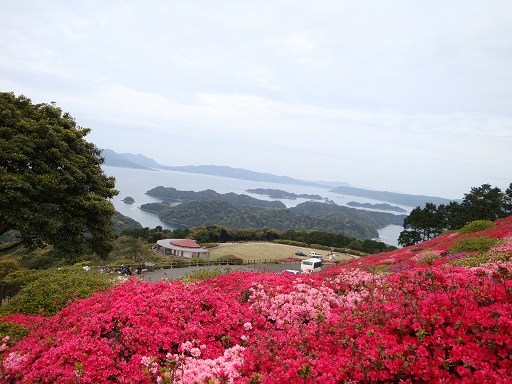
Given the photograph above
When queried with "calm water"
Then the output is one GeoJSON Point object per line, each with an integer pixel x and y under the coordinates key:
{"type": "Point", "coordinates": [136, 182]}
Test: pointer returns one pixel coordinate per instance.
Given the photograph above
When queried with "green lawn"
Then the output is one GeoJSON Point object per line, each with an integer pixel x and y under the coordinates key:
{"type": "Point", "coordinates": [260, 251]}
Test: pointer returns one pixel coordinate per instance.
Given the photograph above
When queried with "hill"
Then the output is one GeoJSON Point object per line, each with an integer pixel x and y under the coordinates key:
{"type": "Point", "coordinates": [127, 160]}
{"type": "Point", "coordinates": [174, 195]}
{"type": "Point", "coordinates": [309, 216]}
{"type": "Point", "coordinates": [439, 311]}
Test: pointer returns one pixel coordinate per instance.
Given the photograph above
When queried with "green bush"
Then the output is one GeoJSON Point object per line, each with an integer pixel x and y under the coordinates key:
{"type": "Point", "coordinates": [476, 226]}
{"type": "Point", "coordinates": [429, 258]}
{"type": "Point", "coordinates": [210, 245]}
{"type": "Point", "coordinates": [473, 244]}
{"type": "Point", "coordinates": [203, 274]}
{"type": "Point", "coordinates": [21, 276]}
{"type": "Point", "coordinates": [15, 332]}
{"type": "Point", "coordinates": [8, 266]}
{"type": "Point", "coordinates": [54, 288]}
{"type": "Point", "coordinates": [471, 261]}
{"type": "Point", "coordinates": [231, 259]}
{"type": "Point", "coordinates": [292, 242]}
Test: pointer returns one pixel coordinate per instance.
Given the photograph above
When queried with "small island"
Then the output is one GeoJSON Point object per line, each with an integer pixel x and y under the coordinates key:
{"type": "Point", "coordinates": [279, 194]}
{"type": "Point", "coordinates": [128, 200]}
{"type": "Point", "coordinates": [383, 206]}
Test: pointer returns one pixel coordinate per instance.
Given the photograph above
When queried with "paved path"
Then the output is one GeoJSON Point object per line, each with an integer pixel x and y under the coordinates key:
{"type": "Point", "coordinates": [177, 273]}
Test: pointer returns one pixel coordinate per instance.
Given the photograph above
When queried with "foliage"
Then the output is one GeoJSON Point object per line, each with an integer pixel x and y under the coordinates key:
{"type": "Point", "coordinates": [124, 223]}
{"type": "Point", "coordinates": [8, 266]}
{"type": "Point", "coordinates": [232, 259]}
{"type": "Point", "coordinates": [291, 242]}
{"type": "Point", "coordinates": [414, 322]}
{"type": "Point", "coordinates": [53, 289]}
{"type": "Point", "coordinates": [204, 274]}
{"type": "Point", "coordinates": [476, 226]}
{"type": "Point", "coordinates": [473, 244]}
{"type": "Point", "coordinates": [14, 332]}
{"type": "Point", "coordinates": [21, 277]}
{"type": "Point", "coordinates": [481, 205]}
{"type": "Point", "coordinates": [306, 216]}
{"type": "Point", "coordinates": [53, 190]}
{"type": "Point", "coordinates": [214, 233]}
{"type": "Point", "coordinates": [130, 248]}
{"type": "Point", "coordinates": [172, 194]}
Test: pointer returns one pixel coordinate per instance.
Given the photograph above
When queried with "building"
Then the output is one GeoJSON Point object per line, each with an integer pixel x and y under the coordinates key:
{"type": "Point", "coordinates": [186, 248]}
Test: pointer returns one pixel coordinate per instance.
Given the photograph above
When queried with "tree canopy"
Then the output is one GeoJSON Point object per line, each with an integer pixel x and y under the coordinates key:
{"type": "Point", "coordinates": [52, 188]}
{"type": "Point", "coordinates": [481, 203]}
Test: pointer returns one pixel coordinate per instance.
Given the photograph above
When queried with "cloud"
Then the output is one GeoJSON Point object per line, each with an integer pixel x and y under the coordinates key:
{"type": "Point", "coordinates": [398, 95]}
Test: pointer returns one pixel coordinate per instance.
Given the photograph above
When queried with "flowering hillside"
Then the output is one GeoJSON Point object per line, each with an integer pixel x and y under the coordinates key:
{"type": "Point", "coordinates": [440, 311]}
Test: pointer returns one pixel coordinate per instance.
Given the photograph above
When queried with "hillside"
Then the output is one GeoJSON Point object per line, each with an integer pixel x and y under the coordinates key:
{"type": "Point", "coordinates": [309, 216]}
{"type": "Point", "coordinates": [439, 311]}
{"type": "Point", "coordinates": [173, 195]}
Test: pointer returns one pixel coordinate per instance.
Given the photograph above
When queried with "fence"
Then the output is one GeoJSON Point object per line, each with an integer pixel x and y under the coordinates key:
{"type": "Point", "coordinates": [193, 263]}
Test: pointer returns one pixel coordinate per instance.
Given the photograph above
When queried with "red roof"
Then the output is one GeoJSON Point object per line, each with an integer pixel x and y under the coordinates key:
{"type": "Point", "coordinates": [186, 243]}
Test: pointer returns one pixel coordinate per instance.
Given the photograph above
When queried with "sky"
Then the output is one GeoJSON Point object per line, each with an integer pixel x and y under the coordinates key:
{"type": "Point", "coordinates": [403, 96]}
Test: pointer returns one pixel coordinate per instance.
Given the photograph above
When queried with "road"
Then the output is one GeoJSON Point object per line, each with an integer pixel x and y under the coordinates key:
{"type": "Point", "coordinates": [177, 273]}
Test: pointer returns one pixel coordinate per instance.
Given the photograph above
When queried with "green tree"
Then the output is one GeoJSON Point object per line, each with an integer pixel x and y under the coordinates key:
{"type": "Point", "coordinates": [483, 203]}
{"type": "Point", "coordinates": [422, 224]}
{"type": "Point", "coordinates": [507, 201]}
{"type": "Point", "coordinates": [52, 188]}
{"type": "Point", "coordinates": [133, 248]}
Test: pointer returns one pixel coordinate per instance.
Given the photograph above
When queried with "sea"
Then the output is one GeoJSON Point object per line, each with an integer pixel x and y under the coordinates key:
{"type": "Point", "coordinates": [136, 182]}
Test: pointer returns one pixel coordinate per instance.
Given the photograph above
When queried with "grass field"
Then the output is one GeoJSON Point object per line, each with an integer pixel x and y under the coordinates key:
{"type": "Point", "coordinates": [260, 251]}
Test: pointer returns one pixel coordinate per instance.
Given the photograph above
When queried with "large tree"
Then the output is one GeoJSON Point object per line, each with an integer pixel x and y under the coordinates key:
{"type": "Point", "coordinates": [484, 203]}
{"type": "Point", "coordinates": [52, 188]}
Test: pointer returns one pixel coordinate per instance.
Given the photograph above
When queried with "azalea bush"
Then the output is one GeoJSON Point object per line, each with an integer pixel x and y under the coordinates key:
{"type": "Point", "coordinates": [420, 320]}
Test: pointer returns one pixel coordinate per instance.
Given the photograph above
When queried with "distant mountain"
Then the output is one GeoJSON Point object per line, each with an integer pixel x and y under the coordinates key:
{"type": "Point", "coordinates": [392, 197]}
{"type": "Point", "coordinates": [240, 173]}
{"type": "Point", "coordinates": [128, 160]}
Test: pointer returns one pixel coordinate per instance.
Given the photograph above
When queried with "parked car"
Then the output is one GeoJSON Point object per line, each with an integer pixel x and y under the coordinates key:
{"type": "Point", "coordinates": [316, 255]}
{"type": "Point", "coordinates": [290, 271]}
{"type": "Point", "coordinates": [299, 253]}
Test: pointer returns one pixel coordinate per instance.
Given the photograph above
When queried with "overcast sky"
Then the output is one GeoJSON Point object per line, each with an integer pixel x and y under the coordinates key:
{"type": "Point", "coordinates": [406, 96]}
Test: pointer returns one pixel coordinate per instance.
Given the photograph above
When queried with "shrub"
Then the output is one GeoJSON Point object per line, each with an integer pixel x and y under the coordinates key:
{"type": "Point", "coordinates": [473, 244]}
{"type": "Point", "coordinates": [15, 332]}
{"type": "Point", "coordinates": [8, 266]}
{"type": "Point", "coordinates": [53, 289]}
{"type": "Point", "coordinates": [203, 274]}
{"type": "Point", "coordinates": [22, 276]}
{"type": "Point", "coordinates": [231, 259]}
{"type": "Point", "coordinates": [292, 243]}
{"type": "Point", "coordinates": [471, 261]}
{"type": "Point", "coordinates": [476, 226]}
{"type": "Point", "coordinates": [210, 245]}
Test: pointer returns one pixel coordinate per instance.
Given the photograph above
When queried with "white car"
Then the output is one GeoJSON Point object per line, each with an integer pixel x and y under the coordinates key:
{"type": "Point", "coordinates": [290, 271]}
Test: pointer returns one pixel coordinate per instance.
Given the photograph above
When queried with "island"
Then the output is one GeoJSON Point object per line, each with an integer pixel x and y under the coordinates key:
{"type": "Point", "coordinates": [128, 200]}
{"type": "Point", "coordinates": [280, 194]}
{"type": "Point", "coordinates": [382, 206]}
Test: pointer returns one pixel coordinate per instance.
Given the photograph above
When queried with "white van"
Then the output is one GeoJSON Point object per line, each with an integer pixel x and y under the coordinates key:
{"type": "Point", "coordinates": [311, 265]}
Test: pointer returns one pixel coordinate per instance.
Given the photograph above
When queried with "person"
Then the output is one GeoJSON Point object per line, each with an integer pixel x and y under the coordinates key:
{"type": "Point", "coordinates": [139, 269]}
{"type": "Point", "coordinates": [129, 271]}
{"type": "Point", "coordinates": [123, 269]}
